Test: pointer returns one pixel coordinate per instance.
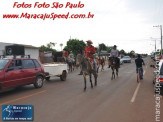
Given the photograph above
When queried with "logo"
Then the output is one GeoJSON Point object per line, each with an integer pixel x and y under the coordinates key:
{"type": "Point", "coordinates": [9, 51]}
{"type": "Point", "coordinates": [17, 112]}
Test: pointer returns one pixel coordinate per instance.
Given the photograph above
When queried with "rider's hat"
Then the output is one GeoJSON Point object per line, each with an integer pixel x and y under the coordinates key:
{"type": "Point", "coordinates": [115, 45]}
{"type": "Point", "coordinates": [89, 41]}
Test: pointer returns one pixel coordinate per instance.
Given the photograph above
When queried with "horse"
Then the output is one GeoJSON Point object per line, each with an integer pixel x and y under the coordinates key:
{"type": "Point", "coordinates": [71, 64]}
{"type": "Point", "coordinates": [86, 69]}
{"type": "Point", "coordinates": [114, 66]}
{"type": "Point", "coordinates": [60, 59]}
{"type": "Point", "coordinates": [102, 62]}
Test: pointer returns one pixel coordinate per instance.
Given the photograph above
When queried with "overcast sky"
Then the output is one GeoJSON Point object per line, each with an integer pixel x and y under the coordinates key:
{"type": "Point", "coordinates": [126, 23]}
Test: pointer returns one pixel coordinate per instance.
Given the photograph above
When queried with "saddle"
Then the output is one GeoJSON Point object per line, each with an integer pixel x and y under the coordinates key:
{"type": "Point", "coordinates": [102, 60]}
{"type": "Point", "coordinates": [93, 63]}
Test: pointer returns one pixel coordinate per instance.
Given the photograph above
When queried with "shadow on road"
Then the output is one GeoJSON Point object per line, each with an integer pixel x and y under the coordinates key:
{"type": "Point", "coordinates": [17, 90]}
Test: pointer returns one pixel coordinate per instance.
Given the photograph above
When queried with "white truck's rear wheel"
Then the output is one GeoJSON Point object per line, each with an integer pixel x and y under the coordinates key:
{"type": "Point", "coordinates": [63, 76]}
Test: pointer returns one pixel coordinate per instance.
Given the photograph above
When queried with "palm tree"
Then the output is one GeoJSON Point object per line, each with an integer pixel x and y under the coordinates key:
{"type": "Point", "coordinates": [50, 45]}
{"type": "Point", "coordinates": [61, 46]}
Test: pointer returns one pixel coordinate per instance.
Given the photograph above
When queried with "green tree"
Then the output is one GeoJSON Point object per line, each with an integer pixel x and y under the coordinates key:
{"type": "Point", "coordinates": [61, 46]}
{"type": "Point", "coordinates": [102, 46]}
{"type": "Point", "coordinates": [43, 48]}
{"type": "Point", "coordinates": [132, 53]}
{"type": "Point", "coordinates": [48, 47]}
{"type": "Point", "coordinates": [51, 45]}
{"type": "Point", "coordinates": [122, 52]}
{"type": "Point", "coordinates": [109, 49]}
{"type": "Point", "coordinates": [75, 45]}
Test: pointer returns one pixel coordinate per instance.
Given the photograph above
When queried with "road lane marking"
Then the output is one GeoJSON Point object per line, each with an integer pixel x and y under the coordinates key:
{"type": "Point", "coordinates": [21, 98]}
{"type": "Point", "coordinates": [135, 93]}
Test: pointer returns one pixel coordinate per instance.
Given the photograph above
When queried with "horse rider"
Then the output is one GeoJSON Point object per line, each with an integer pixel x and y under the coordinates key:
{"type": "Point", "coordinates": [89, 54]}
{"type": "Point", "coordinates": [65, 54]}
{"type": "Point", "coordinates": [115, 53]}
{"type": "Point", "coordinates": [71, 56]}
{"type": "Point", "coordinates": [98, 53]}
{"type": "Point", "coordinates": [139, 61]}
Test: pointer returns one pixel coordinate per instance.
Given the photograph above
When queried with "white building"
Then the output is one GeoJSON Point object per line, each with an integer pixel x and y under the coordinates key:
{"type": "Point", "coordinates": [28, 49]}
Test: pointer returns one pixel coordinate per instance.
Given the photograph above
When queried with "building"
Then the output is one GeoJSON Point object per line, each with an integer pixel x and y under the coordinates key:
{"type": "Point", "coordinates": [28, 49]}
{"type": "Point", "coordinates": [104, 53]}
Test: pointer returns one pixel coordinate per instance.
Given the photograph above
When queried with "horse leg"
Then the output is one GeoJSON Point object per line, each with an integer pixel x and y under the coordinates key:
{"type": "Point", "coordinates": [95, 76]}
{"type": "Point", "coordinates": [117, 72]}
{"type": "Point", "coordinates": [84, 82]}
{"type": "Point", "coordinates": [102, 66]}
{"type": "Point", "coordinates": [90, 76]}
{"type": "Point", "coordinates": [71, 67]}
{"type": "Point", "coordinates": [113, 74]}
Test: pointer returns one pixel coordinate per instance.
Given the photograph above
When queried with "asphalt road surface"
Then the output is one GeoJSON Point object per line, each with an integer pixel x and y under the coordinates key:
{"type": "Point", "coordinates": [118, 100]}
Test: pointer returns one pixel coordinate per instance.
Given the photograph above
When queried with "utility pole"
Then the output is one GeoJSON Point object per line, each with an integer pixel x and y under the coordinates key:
{"type": "Point", "coordinates": [160, 26]}
{"type": "Point", "coordinates": [155, 45]}
{"type": "Point", "coordinates": [161, 38]}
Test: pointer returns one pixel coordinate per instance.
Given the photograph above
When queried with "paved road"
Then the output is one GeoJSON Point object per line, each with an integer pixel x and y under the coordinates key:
{"type": "Point", "coordinates": [119, 100]}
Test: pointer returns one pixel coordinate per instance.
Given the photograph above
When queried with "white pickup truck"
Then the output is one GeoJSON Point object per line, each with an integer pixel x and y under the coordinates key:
{"type": "Point", "coordinates": [59, 70]}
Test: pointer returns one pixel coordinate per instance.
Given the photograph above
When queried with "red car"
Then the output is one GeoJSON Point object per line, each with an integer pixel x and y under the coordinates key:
{"type": "Point", "coordinates": [20, 71]}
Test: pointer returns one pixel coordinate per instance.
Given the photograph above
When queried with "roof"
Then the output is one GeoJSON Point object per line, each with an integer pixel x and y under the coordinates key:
{"type": "Point", "coordinates": [26, 46]}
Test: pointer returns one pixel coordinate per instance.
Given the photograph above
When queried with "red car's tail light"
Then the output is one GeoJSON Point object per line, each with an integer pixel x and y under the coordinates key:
{"type": "Point", "coordinates": [160, 79]}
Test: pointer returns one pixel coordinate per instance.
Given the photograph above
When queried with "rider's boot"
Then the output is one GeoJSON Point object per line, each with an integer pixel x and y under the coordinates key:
{"type": "Point", "coordinates": [81, 73]}
{"type": "Point", "coordinates": [109, 66]}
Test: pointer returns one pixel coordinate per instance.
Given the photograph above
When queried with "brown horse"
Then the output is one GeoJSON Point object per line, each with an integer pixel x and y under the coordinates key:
{"type": "Point", "coordinates": [71, 64]}
{"type": "Point", "coordinates": [102, 62]}
{"type": "Point", "coordinates": [86, 69]}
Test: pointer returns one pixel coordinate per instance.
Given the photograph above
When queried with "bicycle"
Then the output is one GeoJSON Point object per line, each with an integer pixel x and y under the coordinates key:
{"type": "Point", "coordinates": [139, 77]}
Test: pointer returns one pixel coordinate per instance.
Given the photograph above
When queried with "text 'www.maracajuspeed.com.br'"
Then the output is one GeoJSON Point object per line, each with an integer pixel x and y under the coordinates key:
{"type": "Point", "coordinates": [45, 16]}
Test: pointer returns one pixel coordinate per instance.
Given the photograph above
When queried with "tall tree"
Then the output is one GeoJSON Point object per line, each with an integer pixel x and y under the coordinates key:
{"type": "Point", "coordinates": [51, 45]}
{"type": "Point", "coordinates": [61, 46]}
{"type": "Point", "coordinates": [102, 46]}
{"type": "Point", "coordinates": [75, 45]}
{"type": "Point", "coordinates": [109, 49]}
{"type": "Point", "coordinates": [122, 52]}
{"type": "Point", "coordinates": [132, 53]}
{"type": "Point", "coordinates": [48, 47]}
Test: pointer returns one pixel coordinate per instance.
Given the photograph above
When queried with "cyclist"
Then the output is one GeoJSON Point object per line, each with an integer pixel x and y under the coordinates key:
{"type": "Point", "coordinates": [139, 61]}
